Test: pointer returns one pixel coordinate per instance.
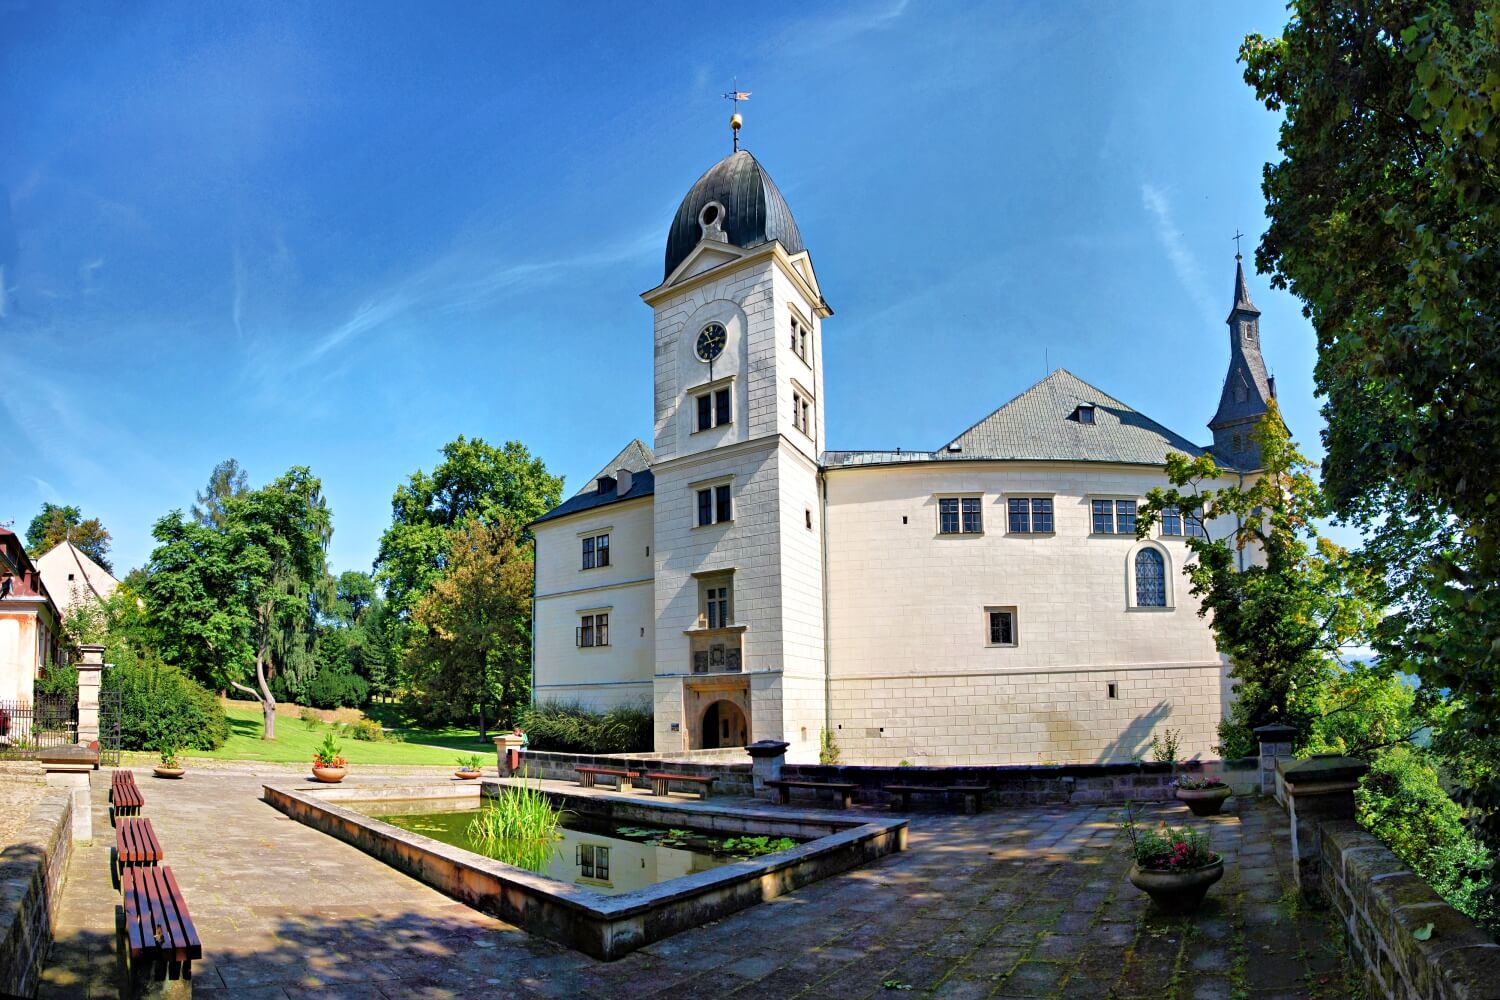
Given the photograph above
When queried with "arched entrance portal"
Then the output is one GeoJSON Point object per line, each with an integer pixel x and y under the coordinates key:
{"type": "Point", "coordinates": [724, 725]}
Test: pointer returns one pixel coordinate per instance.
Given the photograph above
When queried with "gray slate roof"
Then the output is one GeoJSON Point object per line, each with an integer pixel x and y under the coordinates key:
{"type": "Point", "coordinates": [754, 210]}
{"type": "Point", "coordinates": [1041, 424]}
{"type": "Point", "coordinates": [636, 457]}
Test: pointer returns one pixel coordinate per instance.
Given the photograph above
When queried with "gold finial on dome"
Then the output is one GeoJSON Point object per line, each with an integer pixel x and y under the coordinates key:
{"type": "Point", "coordinates": [736, 122]}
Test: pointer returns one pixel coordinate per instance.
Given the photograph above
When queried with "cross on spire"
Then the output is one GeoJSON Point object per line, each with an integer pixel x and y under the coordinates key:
{"type": "Point", "coordinates": [1237, 236]}
{"type": "Point", "coordinates": [735, 121]}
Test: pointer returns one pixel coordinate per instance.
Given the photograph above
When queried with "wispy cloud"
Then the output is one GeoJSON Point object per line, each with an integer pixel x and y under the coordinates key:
{"type": "Point", "coordinates": [820, 33]}
{"type": "Point", "coordinates": [237, 300]}
{"type": "Point", "coordinates": [1186, 266]}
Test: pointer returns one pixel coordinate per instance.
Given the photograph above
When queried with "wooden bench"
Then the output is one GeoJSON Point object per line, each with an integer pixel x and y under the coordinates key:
{"type": "Point", "coordinates": [161, 941]}
{"type": "Point", "coordinates": [971, 795]}
{"type": "Point", "coordinates": [125, 799]}
{"type": "Point", "coordinates": [135, 844]}
{"type": "Point", "coordinates": [659, 783]}
{"type": "Point", "coordinates": [587, 776]}
{"type": "Point", "coordinates": [783, 786]}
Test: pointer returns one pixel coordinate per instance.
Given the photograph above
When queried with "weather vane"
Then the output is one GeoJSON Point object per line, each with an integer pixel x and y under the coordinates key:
{"type": "Point", "coordinates": [735, 121]}
{"type": "Point", "coordinates": [1237, 236]}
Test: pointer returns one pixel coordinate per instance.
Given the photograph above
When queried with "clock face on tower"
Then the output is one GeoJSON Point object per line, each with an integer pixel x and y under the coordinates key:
{"type": "Point", "coordinates": [711, 341]}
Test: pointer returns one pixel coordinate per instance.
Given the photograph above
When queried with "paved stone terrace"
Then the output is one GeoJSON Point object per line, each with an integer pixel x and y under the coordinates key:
{"type": "Point", "coordinates": [1011, 903]}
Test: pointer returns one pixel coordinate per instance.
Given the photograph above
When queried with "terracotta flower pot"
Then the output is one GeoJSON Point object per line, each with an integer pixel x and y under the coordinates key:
{"type": "Point", "coordinates": [331, 775]}
{"type": "Point", "coordinates": [1204, 801]}
{"type": "Point", "coordinates": [1177, 892]}
{"type": "Point", "coordinates": [467, 775]}
{"type": "Point", "coordinates": [168, 772]}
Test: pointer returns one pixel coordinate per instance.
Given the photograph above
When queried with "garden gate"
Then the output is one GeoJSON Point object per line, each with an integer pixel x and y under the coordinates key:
{"type": "Point", "coordinates": [111, 704]}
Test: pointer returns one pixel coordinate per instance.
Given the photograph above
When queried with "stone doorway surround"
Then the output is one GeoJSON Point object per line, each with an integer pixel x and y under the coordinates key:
{"type": "Point", "coordinates": [723, 694]}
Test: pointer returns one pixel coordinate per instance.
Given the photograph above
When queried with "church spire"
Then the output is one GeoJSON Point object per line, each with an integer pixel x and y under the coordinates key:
{"type": "Point", "coordinates": [1247, 390]}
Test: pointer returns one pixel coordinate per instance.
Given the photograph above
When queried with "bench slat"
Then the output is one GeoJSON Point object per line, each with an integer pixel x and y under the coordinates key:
{"type": "Point", "coordinates": [193, 944]}
{"type": "Point", "coordinates": [172, 937]}
{"type": "Point", "coordinates": [134, 928]}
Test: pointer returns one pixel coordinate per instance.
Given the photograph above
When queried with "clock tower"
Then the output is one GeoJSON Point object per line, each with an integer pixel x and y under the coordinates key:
{"type": "Point", "coordinates": [738, 435]}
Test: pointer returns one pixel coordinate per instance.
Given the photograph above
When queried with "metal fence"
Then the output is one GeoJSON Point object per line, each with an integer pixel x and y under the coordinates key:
{"type": "Point", "coordinates": [27, 727]}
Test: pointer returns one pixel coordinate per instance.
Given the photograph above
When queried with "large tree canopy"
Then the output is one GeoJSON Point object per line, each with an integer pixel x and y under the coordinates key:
{"type": "Point", "coordinates": [474, 623]}
{"type": "Point", "coordinates": [1385, 221]}
{"type": "Point", "coordinates": [474, 479]}
{"type": "Point", "coordinates": [55, 524]}
{"type": "Point", "coordinates": [232, 602]}
{"type": "Point", "coordinates": [227, 480]}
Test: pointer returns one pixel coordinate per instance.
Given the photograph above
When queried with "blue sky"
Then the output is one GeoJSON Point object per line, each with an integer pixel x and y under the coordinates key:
{"type": "Point", "coordinates": [342, 234]}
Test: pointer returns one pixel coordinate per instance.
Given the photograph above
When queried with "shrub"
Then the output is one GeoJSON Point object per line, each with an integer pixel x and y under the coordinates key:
{"type": "Point", "coordinates": [310, 718]}
{"type": "Point", "coordinates": [1402, 802]}
{"type": "Point", "coordinates": [162, 706]}
{"type": "Point", "coordinates": [570, 727]}
{"type": "Point", "coordinates": [58, 680]}
{"type": "Point", "coordinates": [828, 749]}
{"type": "Point", "coordinates": [336, 689]}
{"type": "Point", "coordinates": [367, 730]}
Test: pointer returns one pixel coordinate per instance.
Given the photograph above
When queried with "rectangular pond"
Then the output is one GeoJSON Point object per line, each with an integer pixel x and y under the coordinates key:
{"type": "Point", "coordinates": [665, 868]}
{"type": "Point", "coordinates": [591, 851]}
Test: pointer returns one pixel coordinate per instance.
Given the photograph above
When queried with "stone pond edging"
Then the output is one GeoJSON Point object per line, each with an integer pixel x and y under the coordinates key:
{"type": "Point", "coordinates": [31, 877]}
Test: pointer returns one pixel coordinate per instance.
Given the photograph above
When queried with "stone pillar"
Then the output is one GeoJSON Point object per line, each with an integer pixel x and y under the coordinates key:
{"type": "Point", "coordinates": [1275, 742]}
{"type": "Point", "coordinates": [766, 758]}
{"type": "Point", "coordinates": [90, 676]}
{"type": "Point", "coordinates": [1318, 790]}
{"type": "Point", "coordinates": [503, 744]}
{"type": "Point", "coordinates": [71, 768]}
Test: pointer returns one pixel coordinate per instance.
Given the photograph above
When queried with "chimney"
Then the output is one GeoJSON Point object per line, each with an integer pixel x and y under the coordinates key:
{"type": "Point", "coordinates": [1271, 384]}
{"type": "Point", "coordinates": [624, 480]}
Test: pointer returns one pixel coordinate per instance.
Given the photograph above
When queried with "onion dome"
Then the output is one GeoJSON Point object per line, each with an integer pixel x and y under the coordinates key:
{"type": "Point", "coordinates": [736, 202]}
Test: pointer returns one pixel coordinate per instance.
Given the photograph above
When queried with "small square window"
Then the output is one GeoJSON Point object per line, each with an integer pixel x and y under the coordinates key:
{"type": "Point", "coordinates": [1002, 626]}
{"type": "Point", "coordinates": [1112, 690]}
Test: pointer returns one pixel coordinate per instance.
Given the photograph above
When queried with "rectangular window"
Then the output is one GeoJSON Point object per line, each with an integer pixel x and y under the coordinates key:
{"type": "Point", "coordinates": [1002, 623]}
{"type": "Point", "coordinates": [1193, 526]}
{"type": "Point", "coordinates": [1171, 521]}
{"type": "Point", "coordinates": [800, 338]}
{"type": "Point", "coordinates": [1114, 517]}
{"type": "Point", "coordinates": [948, 515]}
{"type": "Point", "coordinates": [713, 409]}
{"type": "Point", "coordinates": [595, 551]}
{"type": "Point", "coordinates": [960, 515]}
{"type": "Point", "coordinates": [593, 630]}
{"type": "Point", "coordinates": [1030, 515]}
{"type": "Point", "coordinates": [716, 606]}
{"type": "Point", "coordinates": [714, 505]}
{"type": "Point", "coordinates": [593, 862]}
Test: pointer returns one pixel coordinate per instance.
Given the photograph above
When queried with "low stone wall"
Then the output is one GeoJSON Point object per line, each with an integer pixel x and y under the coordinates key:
{"type": "Point", "coordinates": [1010, 784]}
{"type": "Point", "coordinates": [1381, 903]}
{"type": "Point", "coordinates": [32, 867]}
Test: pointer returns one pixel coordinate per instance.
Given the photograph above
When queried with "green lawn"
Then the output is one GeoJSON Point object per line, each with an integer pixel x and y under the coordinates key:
{"type": "Point", "coordinates": [295, 742]}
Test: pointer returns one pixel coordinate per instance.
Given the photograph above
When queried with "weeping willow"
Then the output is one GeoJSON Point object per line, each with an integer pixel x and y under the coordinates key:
{"type": "Point", "coordinates": [519, 828]}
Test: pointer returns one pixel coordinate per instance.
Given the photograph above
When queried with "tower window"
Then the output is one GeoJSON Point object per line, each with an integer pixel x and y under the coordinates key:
{"type": "Point", "coordinates": [960, 516]}
{"type": "Point", "coordinates": [801, 338]}
{"type": "Point", "coordinates": [714, 408]}
{"type": "Point", "coordinates": [714, 505]}
{"type": "Point", "coordinates": [802, 410]}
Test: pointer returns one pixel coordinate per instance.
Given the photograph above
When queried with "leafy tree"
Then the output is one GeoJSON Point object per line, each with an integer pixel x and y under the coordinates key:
{"type": "Point", "coordinates": [227, 480]}
{"type": "Point", "coordinates": [470, 647]}
{"type": "Point", "coordinates": [55, 525]}
{"type": "Point", "coordinates": [230, 603]}
{"type": "Point", "coordinates": [1282, 619]}
{"type": "Point", "coordinates": [1385, 218]}
{"type": "Point", "coordinates": [474, 479]}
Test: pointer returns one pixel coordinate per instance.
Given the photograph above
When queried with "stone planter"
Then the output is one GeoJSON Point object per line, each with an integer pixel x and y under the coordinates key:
{"type": "Point", "coordinates": [1177, 892]}
{"type": "Point", "coordinates": [1204, 801]}
{"type": "Point", "coordinates": [332, 775]}
{"type": "Point", "coordinates": [168, 772]}
{"type": "Point", "coordinates": [467, 775]}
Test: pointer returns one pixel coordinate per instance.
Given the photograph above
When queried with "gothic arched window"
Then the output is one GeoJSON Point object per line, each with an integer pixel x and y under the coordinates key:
{"type": "Point", "coordinates": [1150, 579]}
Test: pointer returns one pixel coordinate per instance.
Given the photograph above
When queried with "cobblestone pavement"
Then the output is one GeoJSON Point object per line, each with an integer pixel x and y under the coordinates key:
{"type": "Point", "coordinates": [1015, 902]}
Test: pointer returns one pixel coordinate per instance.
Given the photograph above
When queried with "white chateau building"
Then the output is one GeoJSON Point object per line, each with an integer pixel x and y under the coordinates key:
{"type": "Point", "coordinates": [987, 602]}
